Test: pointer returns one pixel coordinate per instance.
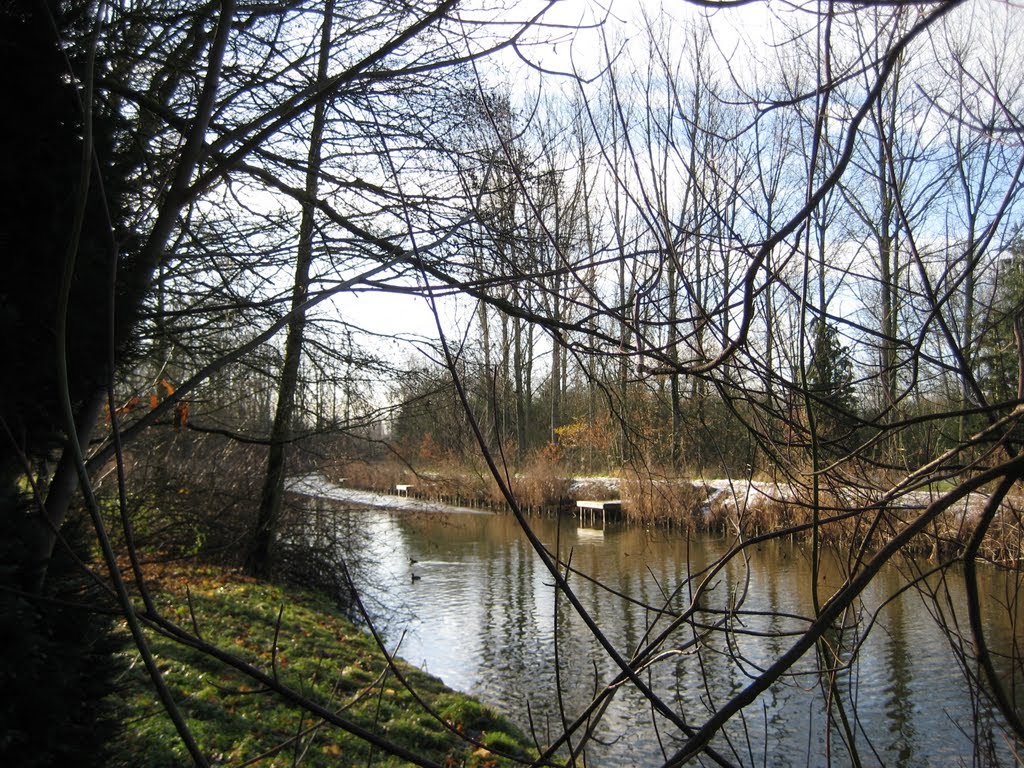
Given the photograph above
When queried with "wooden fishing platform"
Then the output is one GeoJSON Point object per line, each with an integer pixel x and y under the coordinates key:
{"type": "Point", "coordinates": [609, 509]}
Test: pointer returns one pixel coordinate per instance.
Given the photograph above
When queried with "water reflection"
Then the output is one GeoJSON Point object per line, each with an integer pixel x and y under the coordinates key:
{"type": "Point", "coordinates": [483, 616]}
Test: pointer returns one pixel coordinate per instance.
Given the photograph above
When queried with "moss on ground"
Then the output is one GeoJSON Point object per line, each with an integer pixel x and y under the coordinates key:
{"type": "Point", "coordinates": [315, 651]}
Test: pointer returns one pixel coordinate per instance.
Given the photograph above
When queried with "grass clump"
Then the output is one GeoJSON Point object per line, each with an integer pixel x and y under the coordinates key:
{"type": "Point", "coordinates": [300, 639]}
{"type": "Point", "coordinates": [479, 721]}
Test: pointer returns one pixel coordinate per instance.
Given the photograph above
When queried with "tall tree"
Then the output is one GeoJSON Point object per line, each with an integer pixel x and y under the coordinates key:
{"type": "Point", "coordinates": [258, 560]}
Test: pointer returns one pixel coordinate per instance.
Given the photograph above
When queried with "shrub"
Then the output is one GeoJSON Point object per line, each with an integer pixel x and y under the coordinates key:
{"type": "Point", "coordinates": [190, 494]}
{"type": "Point", "coordinates": [649, 500]}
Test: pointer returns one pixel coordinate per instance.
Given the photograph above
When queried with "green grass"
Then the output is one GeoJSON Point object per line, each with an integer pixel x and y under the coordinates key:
{"type": "Point", "coordinates": [318, 653]}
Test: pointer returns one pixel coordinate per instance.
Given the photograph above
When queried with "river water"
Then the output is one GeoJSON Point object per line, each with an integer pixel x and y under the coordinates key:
{"type": "Point", "coordinates": [465, 597]}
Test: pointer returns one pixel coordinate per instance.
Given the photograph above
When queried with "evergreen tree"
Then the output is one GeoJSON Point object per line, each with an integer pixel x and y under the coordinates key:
{"type": "Point", "coordinates": [58, 239]}
{"type": "Point", "coordinates": [67, 269]}
{"type": "Point", "coordinates": [998, 362]}
{"type": "Point", "coordinates": [830, 382]}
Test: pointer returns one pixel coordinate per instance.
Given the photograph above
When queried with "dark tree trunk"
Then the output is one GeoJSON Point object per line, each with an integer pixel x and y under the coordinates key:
{"type": "Point", "coordinates": [259, 558]}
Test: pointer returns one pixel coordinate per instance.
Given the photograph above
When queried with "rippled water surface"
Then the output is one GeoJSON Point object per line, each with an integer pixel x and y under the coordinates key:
{"type": "Point", "coordinates": [465, 597]}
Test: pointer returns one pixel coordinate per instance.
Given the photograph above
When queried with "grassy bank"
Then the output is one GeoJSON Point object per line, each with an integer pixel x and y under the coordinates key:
{"type": "Point", "coordinates": [300, 638]}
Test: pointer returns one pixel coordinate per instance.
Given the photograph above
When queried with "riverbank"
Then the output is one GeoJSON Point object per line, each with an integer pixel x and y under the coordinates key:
{"type": "Point", "coordinates": [845, 517]}
{"type": "Point", "coordinates": [299, 638]}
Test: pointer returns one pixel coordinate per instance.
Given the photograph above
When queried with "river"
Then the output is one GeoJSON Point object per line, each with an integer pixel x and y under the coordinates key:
{"type": "Point", "coordinates": [464, 596]}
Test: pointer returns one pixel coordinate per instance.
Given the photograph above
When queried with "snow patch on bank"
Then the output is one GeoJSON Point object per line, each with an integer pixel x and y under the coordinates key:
{"type": "Point", "coordinates": [320, 487]}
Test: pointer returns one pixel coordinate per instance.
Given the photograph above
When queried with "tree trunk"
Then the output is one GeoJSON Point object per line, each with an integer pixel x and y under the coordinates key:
{"type": "Point", "coordinates": [43, 527]}
{"type": "Point", "coordinates": [520, 393]}
{"type": "Point", "coordinates": [258, 560]}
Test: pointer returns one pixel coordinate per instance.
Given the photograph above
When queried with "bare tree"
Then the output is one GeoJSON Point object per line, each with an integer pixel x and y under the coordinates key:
{"type": "Point", "coordinates": [858, 155]}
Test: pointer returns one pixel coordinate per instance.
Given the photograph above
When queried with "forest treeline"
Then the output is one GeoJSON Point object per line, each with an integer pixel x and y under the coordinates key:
{"type": "Point", "coordinates": [785, 245]}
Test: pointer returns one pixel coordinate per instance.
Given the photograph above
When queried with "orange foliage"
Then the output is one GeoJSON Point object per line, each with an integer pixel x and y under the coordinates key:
{"type": "Point", "coordinates": [428, 448]}
{"type": "Point", "coordinates": [181, 408]}
{"type": "Point", "coordinates": [181, 414]}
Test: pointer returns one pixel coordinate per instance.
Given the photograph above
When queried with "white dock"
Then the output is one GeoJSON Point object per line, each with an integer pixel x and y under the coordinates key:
{"type": "Point", "coordinates": [589, 509]}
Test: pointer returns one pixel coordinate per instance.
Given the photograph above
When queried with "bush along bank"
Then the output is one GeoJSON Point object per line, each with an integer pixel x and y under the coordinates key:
{"type": "Point", "coordinates": [299, 639]}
